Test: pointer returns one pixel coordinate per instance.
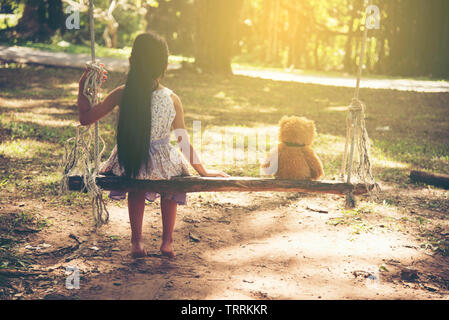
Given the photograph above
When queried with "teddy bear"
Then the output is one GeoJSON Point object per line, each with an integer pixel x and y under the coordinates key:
{"type": "Point", "coordinates": [294, 157]}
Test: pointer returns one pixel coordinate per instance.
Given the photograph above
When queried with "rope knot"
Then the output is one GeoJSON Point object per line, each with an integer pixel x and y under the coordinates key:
{"type": "Point", "coordinates": [93, 81]}
{"type": "Point", "coordinates": [356, 105]}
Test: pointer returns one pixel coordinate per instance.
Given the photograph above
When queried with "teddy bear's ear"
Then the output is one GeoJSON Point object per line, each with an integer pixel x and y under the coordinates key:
{"type": "Point", "coordinates": [283, 121]}
{"type": "Point", "coordinates": [311, 125]}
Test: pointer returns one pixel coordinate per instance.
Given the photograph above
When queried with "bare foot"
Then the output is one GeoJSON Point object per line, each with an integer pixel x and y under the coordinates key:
{"type": "Point", "coordinates": [137, 250]}
{"type": "Point", "coordinates": [167, 250]}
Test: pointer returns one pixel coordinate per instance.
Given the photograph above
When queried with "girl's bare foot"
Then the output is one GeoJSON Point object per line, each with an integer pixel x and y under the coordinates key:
{"type": "Point", "coordinates": [167, 249]}
{"type": "Point", "coordinates": [137, 250]}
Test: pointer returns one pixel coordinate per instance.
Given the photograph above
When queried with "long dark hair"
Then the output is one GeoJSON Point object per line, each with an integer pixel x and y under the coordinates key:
{"type": "Point", "coordinates": [148, 62]}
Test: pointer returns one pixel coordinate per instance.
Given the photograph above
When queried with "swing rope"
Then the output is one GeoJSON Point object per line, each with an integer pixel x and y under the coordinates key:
{"type": "Point", "coordinates": [356, 133]}
{"type": "Point", "coordinates": [79, 156]}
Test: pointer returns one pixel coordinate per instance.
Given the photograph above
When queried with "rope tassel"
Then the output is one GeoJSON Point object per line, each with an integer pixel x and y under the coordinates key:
{"type": "Point", "coordinates": [81, 151]}
{"type": "Point", "coordinates": [78, 158]}
{"type": "Point", "coordinates": [357, 136]}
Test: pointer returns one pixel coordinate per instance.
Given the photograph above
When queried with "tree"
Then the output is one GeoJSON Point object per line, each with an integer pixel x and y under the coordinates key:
{"type": "Point", "coordinates": [110, 32]}
{"type": "Point", "coordinates": [418, 38]}
{"type": "Point", "coordinates": [355, 11]}
{"type": "Point", "coordinates": [215, 35]}
{"type": "Point", "coordinates": [40, 20]}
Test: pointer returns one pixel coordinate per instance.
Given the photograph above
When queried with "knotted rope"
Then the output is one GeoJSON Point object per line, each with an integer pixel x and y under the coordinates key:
{"type": "Point", "coordinates": [357, 135]}
{"type": "Point", "coordinates": [78, 158]}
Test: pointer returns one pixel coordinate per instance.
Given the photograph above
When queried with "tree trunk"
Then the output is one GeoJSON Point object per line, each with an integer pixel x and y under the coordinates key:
{"type": "Point", "coordinates": [275, 44]}
{"type": "Point", "coordinates": [110, 31]}
{"type": "Point", "coordinates": [40, 20]}
{"type": "Point", "coordinates": [316, 53]}
{"type": "Point", "coordinates": [270, 28]}
{"type": "Point", "coordinates": [348, 63]}
{"type": "Point", "coordinates": [293, 52]}
{"type": "Point", "coordinates": [217, 22]}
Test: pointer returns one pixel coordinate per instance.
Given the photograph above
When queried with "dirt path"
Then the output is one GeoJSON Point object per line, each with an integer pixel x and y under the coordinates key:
{"type": "Point", "coordinates": [243, 246]}
{"type": "Point", "coordinates": [61, 59]}
{"type": "Point", "coordinates": [348, 81]}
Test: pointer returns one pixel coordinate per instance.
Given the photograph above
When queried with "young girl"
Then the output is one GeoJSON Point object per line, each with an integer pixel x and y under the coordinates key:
{"type": "Point", "coordinates": [148, 113]}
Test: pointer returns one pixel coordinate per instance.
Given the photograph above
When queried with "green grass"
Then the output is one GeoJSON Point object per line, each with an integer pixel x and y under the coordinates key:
{"type": "Point", "coordinates": [38, 116]}
{"type": "Point", "coordinates": [247, 106]}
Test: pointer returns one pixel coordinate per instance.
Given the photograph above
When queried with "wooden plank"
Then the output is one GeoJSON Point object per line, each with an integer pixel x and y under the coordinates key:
{"type": "Point", "coordinates": [435, 179]}
{"type": "Point", "coordinates": [200, 184]}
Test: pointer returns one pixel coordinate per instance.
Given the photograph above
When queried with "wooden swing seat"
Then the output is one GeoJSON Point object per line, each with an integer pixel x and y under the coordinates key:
{"type": "Point", "coordinates": [240, 184]}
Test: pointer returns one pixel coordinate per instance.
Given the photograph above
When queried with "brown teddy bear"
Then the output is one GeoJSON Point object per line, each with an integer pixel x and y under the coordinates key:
{"type": "Point", "coordinates": [294, 158]}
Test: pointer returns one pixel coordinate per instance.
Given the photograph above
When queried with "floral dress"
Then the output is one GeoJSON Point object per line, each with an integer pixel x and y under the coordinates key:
{"type": "Point", "coordinates": [165, 161]}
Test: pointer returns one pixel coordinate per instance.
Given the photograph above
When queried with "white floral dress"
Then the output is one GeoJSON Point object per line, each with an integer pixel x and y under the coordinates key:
{"type": "Point", "coordinates": [165, 160]}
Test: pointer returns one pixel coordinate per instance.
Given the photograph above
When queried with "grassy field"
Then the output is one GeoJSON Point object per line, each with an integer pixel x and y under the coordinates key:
{"type": "Point", "coordinates": [408, 130]}
{"type": "Point", "coordinates": [38, 114]}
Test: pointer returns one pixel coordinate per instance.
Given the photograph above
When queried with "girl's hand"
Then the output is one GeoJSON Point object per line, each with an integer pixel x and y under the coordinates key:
{"type": "Point", "coordinates": [84, 76]}
{"type": "Point", "coordinates": [104, 74]}
{"type": "Point", "coordinates": [215, 173]}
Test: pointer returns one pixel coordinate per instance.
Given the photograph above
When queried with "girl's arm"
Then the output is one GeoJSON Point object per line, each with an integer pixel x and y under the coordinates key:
{"type": "Point", "coordinates": [182, 135]}
{"type": "Point", "coordinates": [88, 115]}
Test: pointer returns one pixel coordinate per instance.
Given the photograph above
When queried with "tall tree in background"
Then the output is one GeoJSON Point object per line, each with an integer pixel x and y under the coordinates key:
{"type": "Point", "coordinates": [40, 20]}
{"type": "Point", "coordinates": [175, 21]}
{"type": "Point", "coordinates": [215, 35]}
{"type": "Point", "coordinates": [355, 12]}
{"type": "Point", "coordinates": [418, 38]}
{"type": "Point", "coordinates": [110, 35]}
{"type": "Point", "coordinates": [413, 39]}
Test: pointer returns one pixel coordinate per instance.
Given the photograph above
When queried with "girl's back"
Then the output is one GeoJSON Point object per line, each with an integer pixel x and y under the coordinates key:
{"type": "Point", "coordinates": [165, 161]}
{"type": "Point", "coordinates": [162, 113]}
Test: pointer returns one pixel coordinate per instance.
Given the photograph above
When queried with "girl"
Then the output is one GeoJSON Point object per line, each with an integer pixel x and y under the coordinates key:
{"type": "Point", "coordinates": [148, 112]}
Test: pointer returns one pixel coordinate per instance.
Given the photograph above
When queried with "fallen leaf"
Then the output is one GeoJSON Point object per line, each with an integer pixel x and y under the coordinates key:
{"type": "Point", "coordinates": [383, 268]}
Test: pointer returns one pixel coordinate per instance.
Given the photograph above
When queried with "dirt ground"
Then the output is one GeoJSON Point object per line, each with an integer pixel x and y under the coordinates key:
{"type": "Point", "coordinates": [238, 246]}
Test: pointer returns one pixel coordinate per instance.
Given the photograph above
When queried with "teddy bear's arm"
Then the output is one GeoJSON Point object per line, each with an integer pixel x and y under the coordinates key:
{"type": "Point", "coordinates": [315, 165]}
